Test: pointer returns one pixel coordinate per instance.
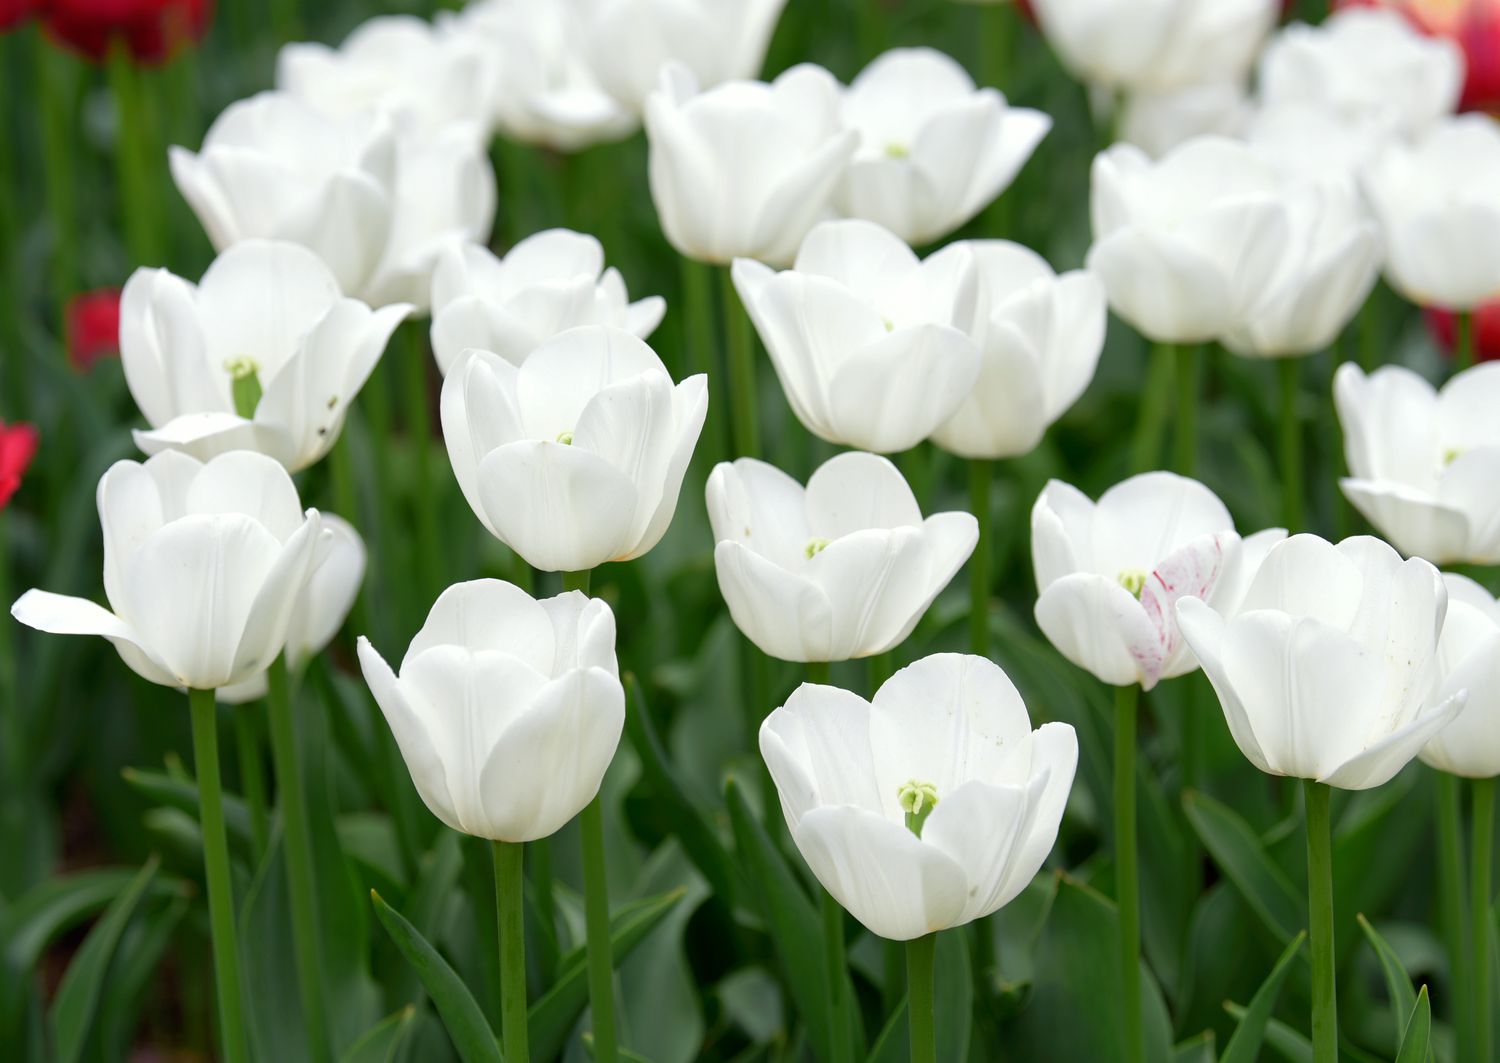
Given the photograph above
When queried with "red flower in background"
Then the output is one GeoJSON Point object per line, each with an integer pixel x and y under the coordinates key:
{"type": "Point", "coordinates": [17, 447]}
{"type": "Point", "coordinates": [1443, 324]}
{"type": "Point", "coordinates": [1474, 25]}
{"type": "Point", "coordinates": [93, 327]}
{"type": "Point", "coordinates": [15, 11]}
{"type": "Point", "coordinates": [152, 30]}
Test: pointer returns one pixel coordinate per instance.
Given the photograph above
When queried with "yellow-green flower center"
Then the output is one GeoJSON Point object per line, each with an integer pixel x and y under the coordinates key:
{"type": "Point", "coordinates": [917, 799]}
{"type": "Point", "coordinates": [815, 547]}
{"type": "Point", "coordinates": [565, 438]}
{"type": "Point", "coordinates": [244, 384]}
{"type": "Point", "coordinates": [1133, 580]}
{"type": "Point", "coordinates": [897, 151]}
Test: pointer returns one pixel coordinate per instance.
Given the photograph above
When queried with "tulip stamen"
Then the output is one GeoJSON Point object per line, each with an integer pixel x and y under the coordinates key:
{"type": "Point", "coordinates": [1133, 580]}
{"type": "Point", "coordinates": [815, 546]}
{"type": "Point", "coordinates": [244, 384]}
{"type": "Point", "coordinates": [1451, 454]}
{"type": "Point", "coordinates": [917, 799]}
{"type": "Point", "coordinates": [565, 438]}
{"type": "Point", "coordinates": [896, 150]}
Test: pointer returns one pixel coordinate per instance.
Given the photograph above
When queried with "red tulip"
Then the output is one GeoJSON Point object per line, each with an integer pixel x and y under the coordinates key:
{"type": "Point", "coordinates": [13, 12]}
{"type": "Point", "coordinates": [1474, 25]}
{"type": "Point", "coordinates": [93, 327]}
{"type": "Point", "coordinates": [1443, 324]}
{"type": "Point", "coordinates": [17, 447]}
{"type": "Point", "coordinates": [152, 30]}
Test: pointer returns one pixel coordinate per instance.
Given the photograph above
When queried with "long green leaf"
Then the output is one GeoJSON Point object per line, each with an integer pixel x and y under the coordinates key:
{"type": "Point", "coordinates": [461, 1016]}
{"type": "Point", "coordinates": [381, 1042]}
{"type": "Point", "coordinates": [1237, 850]}
{"type": "Point", "coordinates": [1397, 981]}
{"type": "Point", "coordinates": [1244, 1046]}
{"type": "Point", "coordinates": [52, 906]}
{"type": "Point", "coordinates": [183, 795]}
{"type": "Point", "coordinates": [1418, 1036]}
{"type": "Point", "coordinates": [132, 972]}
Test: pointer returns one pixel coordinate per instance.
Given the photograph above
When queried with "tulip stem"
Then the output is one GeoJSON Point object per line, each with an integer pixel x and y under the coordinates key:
{"type": "Point", "coordinates": [1127, 883]}
{"type": "Point", "coordinates": [205, 723]}
{"type": "Point", "coordinates": [1189, 368]}
{"type": "Point", "coordinates": [577, 581]}
{"type": "Point", "coordinates": [1325, 1017]}
{"type": "Point", "coordinates": [596, 920]}
{"type": "Point", "coordinates": [1151, 422]}
{"type": "Point", "coordinates": [56, 98]}
{"type": "Point", "coordinates": [1451, 903]}
{"type": "Point", "coordinates": [252, 778]}
{"type": "Point", "coordinates": [132, 158]}
{"type": "Point", "coordinates": [306, 929]}
{"type": "Point", "coordinates": [920, 953]}
{"type": "Point", "coordinates": [1291, 444]}
{"type": "Point", "coordinates": [739, 345]}
{"type": "Point", "coordinates": [841, 1050]}
{"type": "Point", "coordinates": [510, 917]}
{"type": "Point", "coordinates": [419, 432]}
{"type": "Point", "coordinates": [981, 475]}
{"type": "Point", "coordinates": [1481, 897]}
{"type": "Point", "coordinates": [1463, 340]}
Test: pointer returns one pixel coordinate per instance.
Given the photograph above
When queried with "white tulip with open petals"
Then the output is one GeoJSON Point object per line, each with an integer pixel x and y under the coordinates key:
{"type": "Point", "coordinates": [1468, 659]}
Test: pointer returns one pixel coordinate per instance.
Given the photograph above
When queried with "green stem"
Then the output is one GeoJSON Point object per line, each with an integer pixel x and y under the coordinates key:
{"type": "Point", "coordinates": [252, 778]}
{"type": "Point", "coordinates": [1481, 897]}
{"type": "Point", "coordinates": [1189, 367]}
{"type": "Point", "coordinates": [546, 907]}
{"type": "Point", "coordinates": [893, 983]}
{"type": "Point", "coordinates": [297, 848]}
{"type": "Point", "coordinates": [1369, 332]}
{"type": "Point", "coordinates": [881, 668]}
{"type": "Point", "coordinates": [132, 159]}
{"type": "Point", "coordinates": [739, 342]}
{"type": "Point", "coordinates": [817, 672]}
{"type": "Point", "coordinates": [1453, 917]}
{"type": "Point", "coordinates": [576, 581]}
{"type": "Point", "coordinates": [1325, 1018]}
{"type": "Point", "coordinates": [346, 504]}
{"type": "Point", "coordinates": [1151, 424]}
{"type": "Point", "coordinates": [1463, 340]}
{"type": "Point", "coordinates": [596, 920]}
{"type": "Point", "coordinates": [1127, 882]}
{"type": "Point", "coordinates": [920, 953]}
{"type": "Point", "coordinates": [56, 101]}
{"type": "Point", "coordinates": [510, 915]}
{"type": "Point", "coordinates": [981, 475]}
{"type": "Point", "coordinates": [216, 873]}
{"type": "Point", "coordinates": [419, 433]}
{"type": "Point", "coordinates": [697, 317]}
{"type": "Point", "coordinates": [1288, 372]}
{"type": "Point", "coordinates": [840, 1046]}
{"type": "Point", "coordinates": [997, 37]}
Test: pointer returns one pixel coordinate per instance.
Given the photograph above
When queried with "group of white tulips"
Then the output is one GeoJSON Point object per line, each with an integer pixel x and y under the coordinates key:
{"type": "Point", "coordinates": [359, 192]}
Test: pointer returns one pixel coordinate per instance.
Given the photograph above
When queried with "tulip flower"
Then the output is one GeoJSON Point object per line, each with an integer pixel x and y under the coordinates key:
{"type": "Point", "coordinates": [1308, 142]}
{"type": "Point", "coordinates": [933, 150]}
{"type": "Point", "coordinates": [1364, 64]}
{"type": "Point", "coordinates": [1474, 25]}
{"type": "Point", "coordinates": [1424, 463]}
{"type": "Point", "coordinates": [950, 728]}
{"type": "Point", "coordinates": [18, 443]}
{"type": "Point", "coordinates": [1442, 325]}
{"type": "Point", "coordinates": [628, 42]}
{"type": "Point", "coordinates": [151, 31]}
{"type": "Point", "coordinates": [870, 344]}
{"type": "Point", "coordinates": [1123, 44]}
{"type": "Point", "coordinates": [1109, 573]}
{"type": "Point", "coordinates": [1436, 203]}
{"type": "Point", "coordinates": [14, 12]}
{"type": "Point", "coordinates": [842, 569]}
{"type": "Point", "coordinates": [546, 284]}
{"type": "Point", "coordinates": [745, 169]}
{"type": "Point", "coordinates": [1468, 660]}
{"type": "Point", "coordinates": [590, 431]}
{"type": "Point", "coordinates": [1039, 337]}
{"type": "Point", "coordinates": [203, 565]}
{"type": "Point", "coordinates": [1158, 121]}
{"type": "Point", "coordinates": [93, 327]}
{"type": "Point", "coordinates": [264, 354]}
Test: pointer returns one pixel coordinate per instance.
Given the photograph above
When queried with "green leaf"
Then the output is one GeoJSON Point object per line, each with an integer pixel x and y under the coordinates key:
{"type": "Point", "coordinates": [382, 1041]}
{"type": "Point", "coordinates": [953, 1006]}
{"type": "Point", "coordinates": [1415, 1042]}
{"type": "Point", "coordinates": [1397, 981]}
{"type": "Point", "coordinates": [552, 1017]}
{"type": "Point", "coordinates": [1199, 1049]}
{"type": "Point", "coordinates": [1244, 1046]}
{"type": "Point", "coordinates": [1237, 850]}
{"type": "Point", "coordinates": [1291, 1045]}
{"type": "Point", "coordinates": [71, 1016]}
{"type": "Point", "coordinates": [130, 975]}
{"type": "Point", "coordinates": [465, 1023]}
{"type": "Point", "coordinates": [183, 795]}
{"type": "Point", "coordinates": [51, 907]}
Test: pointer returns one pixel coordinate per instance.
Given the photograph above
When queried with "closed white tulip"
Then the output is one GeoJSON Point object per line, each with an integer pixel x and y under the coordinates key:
{"type": "Point", "coordinates": [745, 169]}
{"type": "Point", "coordinates": [842, 569]}
{"type": "Point", "coordinates": [1324, 668]}
{"type": "Point", "coordinates": [576, 457]}
{"type": "Point", "coordinates": [321, 608]}
{"type": "Point", "coordinates": [933, 149]}
{"type": "Point", "coordinates": [1468, 659]}
{"type": "Point", "coordinates": [1109, 574]}
{"type": "Point", "coordinates": [1437, 205]}
{"type": "Point", "coordinates": [1363, 63]}
{"type": "Point", "coordinates": [872, 346]}
{"type": "Point", "coordinates": [1423, 463]}
{"type": "Point", "coordinates": [1039, 337]}
{"type": "Point", "coordinates": [1155, 44]}
{"type": "Point", "coordinates": [629, 41]}
{"type": "Point", "coordinates": [203, 567]}
{"type": "Point", "coordinates": [546, 284]}
{"type": "Point", "coordinates": [945, 746]}
{"type": "Point", "coordinates": [1158, 121]}
{"type": "Point", "coordinates": [264, 354]}
{"type": "Point", "coordinates": [507, 710]}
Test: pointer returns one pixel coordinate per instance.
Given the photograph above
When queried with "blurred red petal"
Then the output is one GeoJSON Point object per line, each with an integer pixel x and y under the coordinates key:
{"type": "Point", "coordinates": [93, 327]}
{"type": "Point", "coordinates": [15, 11]}
{"type": "Point", "coordinates": [152, 30]}
{"type": "Point", "coordinates": [18, 444]}
{"type": "Point", "coordinates": [1443, 325]}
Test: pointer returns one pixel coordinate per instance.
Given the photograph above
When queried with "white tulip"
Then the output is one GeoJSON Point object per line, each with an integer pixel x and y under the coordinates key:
{"type": "Point", "coordinates": [1156, 44]}
{"type": "Point", "coordinates": [266, 324]}
{"type": "Point", "coordinates": [1158, 121]}
{"type": "Point", "coordinates": [933, 150]}
{"type": "Point", "coordinates": [1302, 141]}
{"type": "Point", "coordinates": [1468, 659]}
{"type": "Point", "coordinates": [1323, 671]}
{"type": "Point", "coordinates": [321, 608]}
{"type": "Point", "coordinates": [1424, 464]}
{"type": "Point", "coordinates": [576, 457]}
{"type": "Point", "coordinates": [1109, 574]}
{"type": "Point", "coordinates": [507, 710]}
{"type": "Point", "coordinates": [745, 169]}
{"type": "Point", "coordinates": [870, 344]}
{"type": "Point", "coordinates": [1438, 206]}
{"type": "Point", "coordinates": [274, 167]}
{"type": "Point", "coordinates": [628, 41]}
{"type": "Point", "coordinates": [1039, 337]}
{"type": "Point", "coordinates": [842, 569]}
{"type": "Point", "coordinates": [546, 284]}
{"type": "Point", "coordinates": [948, 737]}
{"type": "Point", "coordinates": [203, 567]}
{"type": "Point", "coordinates": [1361, 64]}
